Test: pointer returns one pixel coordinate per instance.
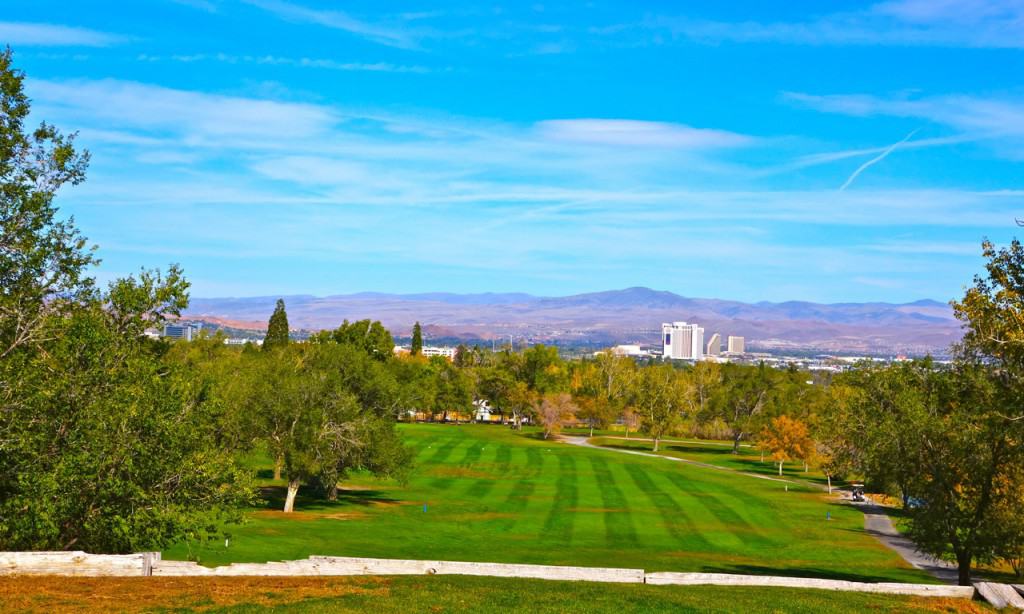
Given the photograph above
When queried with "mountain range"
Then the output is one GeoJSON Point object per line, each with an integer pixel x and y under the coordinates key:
{"type": "Point", "coordinates": [632, 315]}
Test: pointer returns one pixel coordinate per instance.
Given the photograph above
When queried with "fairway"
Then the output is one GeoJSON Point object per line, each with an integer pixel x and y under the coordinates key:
{"type": "Point", "coordinates": [487, 493]}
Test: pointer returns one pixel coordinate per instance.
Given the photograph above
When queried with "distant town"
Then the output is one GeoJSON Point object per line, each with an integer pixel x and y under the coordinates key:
{"type": "Point", "coordinates": [681, 341]}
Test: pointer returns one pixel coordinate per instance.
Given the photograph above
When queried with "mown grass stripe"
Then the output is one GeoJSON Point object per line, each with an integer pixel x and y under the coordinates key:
{"type": "Point", "coordinates": [673, 516]}
{"type": "Point", "coordinates": [726, 509]}
{"type": "Point", "coordinates": [618, 518]}
{"type": "Point", "coordinates": [560, 520]}
{"type": "Point", "coordinates": [518, 498]}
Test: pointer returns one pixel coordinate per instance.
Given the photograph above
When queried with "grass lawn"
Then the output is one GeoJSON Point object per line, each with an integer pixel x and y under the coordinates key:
{"type": "Point", "coordinates": [492, 494]}
{"type": "Point", "coordinates": [432, 594]}
{"type": "Point", "coordinates": [718, 453]}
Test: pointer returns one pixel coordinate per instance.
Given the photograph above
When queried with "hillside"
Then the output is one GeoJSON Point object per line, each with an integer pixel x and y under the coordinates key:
{"type": "Point", "coordinates": [629, 315]}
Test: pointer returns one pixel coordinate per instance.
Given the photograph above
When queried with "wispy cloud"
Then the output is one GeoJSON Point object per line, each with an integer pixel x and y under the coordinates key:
{"type": "Point", "coordinates": [273, 60]}
{"type": "Point", "coordinates": [331, 181]}
{"type": "Point", "coordinates": [392, 36]}
{"type": "Point", "coordinates": [627, 132]}
{"type": "Point", "coordinates": [53, 35]}
{"type": "Point", "coordinates": [950, 23]}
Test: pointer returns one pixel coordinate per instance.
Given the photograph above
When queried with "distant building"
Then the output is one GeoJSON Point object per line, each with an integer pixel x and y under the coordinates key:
{"type": "Point", "coordinates": [181, 332]}
{"type": "Point", "coordinates": [628, 350]}
{"type": "Point", "coordinates": [682, 341]}
{"type": "Point", "coordinates": [241, 341]}
{"type": "Point", "coordinates": [448, 353]}
{"type": "Point", "coordinates": [737, 345]}
{"type": "Point", "coordinates": [714, 345]}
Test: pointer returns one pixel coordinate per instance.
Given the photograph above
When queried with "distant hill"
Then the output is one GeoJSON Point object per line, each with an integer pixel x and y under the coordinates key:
{"type": "Point", "coordinates": [615, 316]}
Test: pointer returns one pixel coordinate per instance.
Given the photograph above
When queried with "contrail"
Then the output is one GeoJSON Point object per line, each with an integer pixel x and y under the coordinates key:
{"type": "Point", "coordinates": [876, 159]}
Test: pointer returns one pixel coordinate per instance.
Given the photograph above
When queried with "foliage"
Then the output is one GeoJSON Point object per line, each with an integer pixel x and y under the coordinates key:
{"type": "Point", "coordinates": [658, 399]}
{"type": "Point", "coordinates": [43, 260]}
{"type": "Point", "coordinates": [786, 439]}
{"type": "Point", "coordinates": [555, 410]}
{"type": "Point", "coordinates": [277, 328]}
{"type": "Point", "coordinates": [104, 445]}
{"type": "Point", "coordinates": [369, 335]}
{"type": "Point", "coordinates": [417, 340]}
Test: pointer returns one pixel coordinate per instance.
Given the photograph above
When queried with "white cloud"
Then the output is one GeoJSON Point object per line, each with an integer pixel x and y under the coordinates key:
{"type": "Point", "coordinates": [194, 117]}
{"type": "Point", "coordinates": [53, 35]}
{"type": "Point", "coordinates": [984, 117]}
{"type": "Point", "coordinates": [952, 23]}
{"type": "Point", "coordinates": [627, 132]}
{"type": "Point", "coordinates": [338, 20]}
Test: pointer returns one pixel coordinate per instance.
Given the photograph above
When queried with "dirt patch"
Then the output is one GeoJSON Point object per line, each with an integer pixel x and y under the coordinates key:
{"type": "Point", "coordinates": [89, 595]}
{"type": "Point", "coordinates": [308, 516]}
{"type": "Point", "coordinates": [293, 516]}
{"type": "Point", "coordinates": [946, 604]}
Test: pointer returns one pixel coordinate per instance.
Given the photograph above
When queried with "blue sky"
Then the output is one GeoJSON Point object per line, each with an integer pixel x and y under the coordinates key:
{"type": "Point", "coordinates": [747, 150]}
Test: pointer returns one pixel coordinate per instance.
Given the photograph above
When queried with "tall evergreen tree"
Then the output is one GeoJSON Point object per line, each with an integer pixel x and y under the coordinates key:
{"type": "Point", "coordinates": [417, 339]}
{"type": "Point", "coordinates": [277, 328]}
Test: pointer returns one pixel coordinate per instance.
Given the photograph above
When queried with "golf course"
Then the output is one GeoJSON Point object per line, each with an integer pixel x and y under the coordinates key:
{"type": "Point", "coordinates": [488, 493]}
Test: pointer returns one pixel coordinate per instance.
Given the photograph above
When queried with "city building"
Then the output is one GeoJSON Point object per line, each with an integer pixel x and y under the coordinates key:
{"type": "Point", "coordinates": [182, 332]}
{"type": "Point", "coordinates": [737, 345]}
{"type": "Point", "coordinates": [629, 350]}
{"type": "Point", "coordinates": [241, 341]}
{"type": "Point", "coordinates": [682, 341]}
{"type": "Point", "coordinates": [448, 353]}
{"type": "Point", "coordinates": [714, 345]}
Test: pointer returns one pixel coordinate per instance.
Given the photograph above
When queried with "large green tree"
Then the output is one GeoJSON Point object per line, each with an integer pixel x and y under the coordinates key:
{"type": "Point", "coordinates": [44, 260]}
{"type": "Point", "coordinates": [277, 328]}
{"type": "Point", "coordinates": [104, 445]}
{"type": "Point", "coordinates": [417, 340]}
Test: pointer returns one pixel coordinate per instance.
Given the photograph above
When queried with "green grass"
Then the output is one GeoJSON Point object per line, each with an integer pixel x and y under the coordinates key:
{"type": "Point", "coordinates": [720, 454]}
{"type": "Point", "coordinates": [496, 495]}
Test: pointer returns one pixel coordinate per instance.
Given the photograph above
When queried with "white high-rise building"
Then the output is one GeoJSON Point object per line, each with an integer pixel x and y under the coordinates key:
{"type": "Point", "coordinates": [737, 345]}
{"type": "Point", "coordinates": [682, 341]}
{"type": "Point", "coordinates": [714, 345]}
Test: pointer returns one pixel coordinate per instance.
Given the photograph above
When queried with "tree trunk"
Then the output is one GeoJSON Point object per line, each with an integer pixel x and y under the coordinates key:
{"type": "Point", "coordinates": [829, 478]}
{"type": "Point", "coordinates": [805, 466]}
{"type": "Point", "coordinates": [963, 567]}
{"type": "Point", "coordinates": [591, 430]}
{"type": "Point", "coordinates": [277, 467]}
{"type": "Point", "coordinates": [780, 467]}
{"type": "Point", "coordinates": [289, 501]}
{"type": "Point", "coordinates": [762, 456]}
{"type": "Point", "coordinates": [657, 440]}
{"type": "Point", "coordinates": [736, 443]}
{"type": "Point", "coordinates": [332, 492]}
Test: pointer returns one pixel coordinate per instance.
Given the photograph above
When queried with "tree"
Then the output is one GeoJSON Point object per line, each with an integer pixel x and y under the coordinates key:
{"type": "Point", "coordinates": [454, 389]}
{"type": "Point", "coordinates": [417, 340]}
{"type": "Point", "coordinates": [308, 411]}
{"type": "Point", "coordinates": [369, 335]}
{"type": "Point", "coordinates": [44, 261]}
{"type": "Point", "coordinates": [277, 328]}
{"type": "Point", "coordinates": [743, 397]}
{"type": "Point", "coordinates": [555, 410]}
{"type": "Point", "coordinates": [658, 400]}
{"type": "Point", "coordinates": [786, 439]}
{"type": "Point", "coordinates": [104, 445]}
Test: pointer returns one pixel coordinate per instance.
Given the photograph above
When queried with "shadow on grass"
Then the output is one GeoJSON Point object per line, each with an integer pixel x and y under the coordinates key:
{"type": "Point", "coordinates": [274, 496]}
{"type": "Point", "coordinates": [794, 572]}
